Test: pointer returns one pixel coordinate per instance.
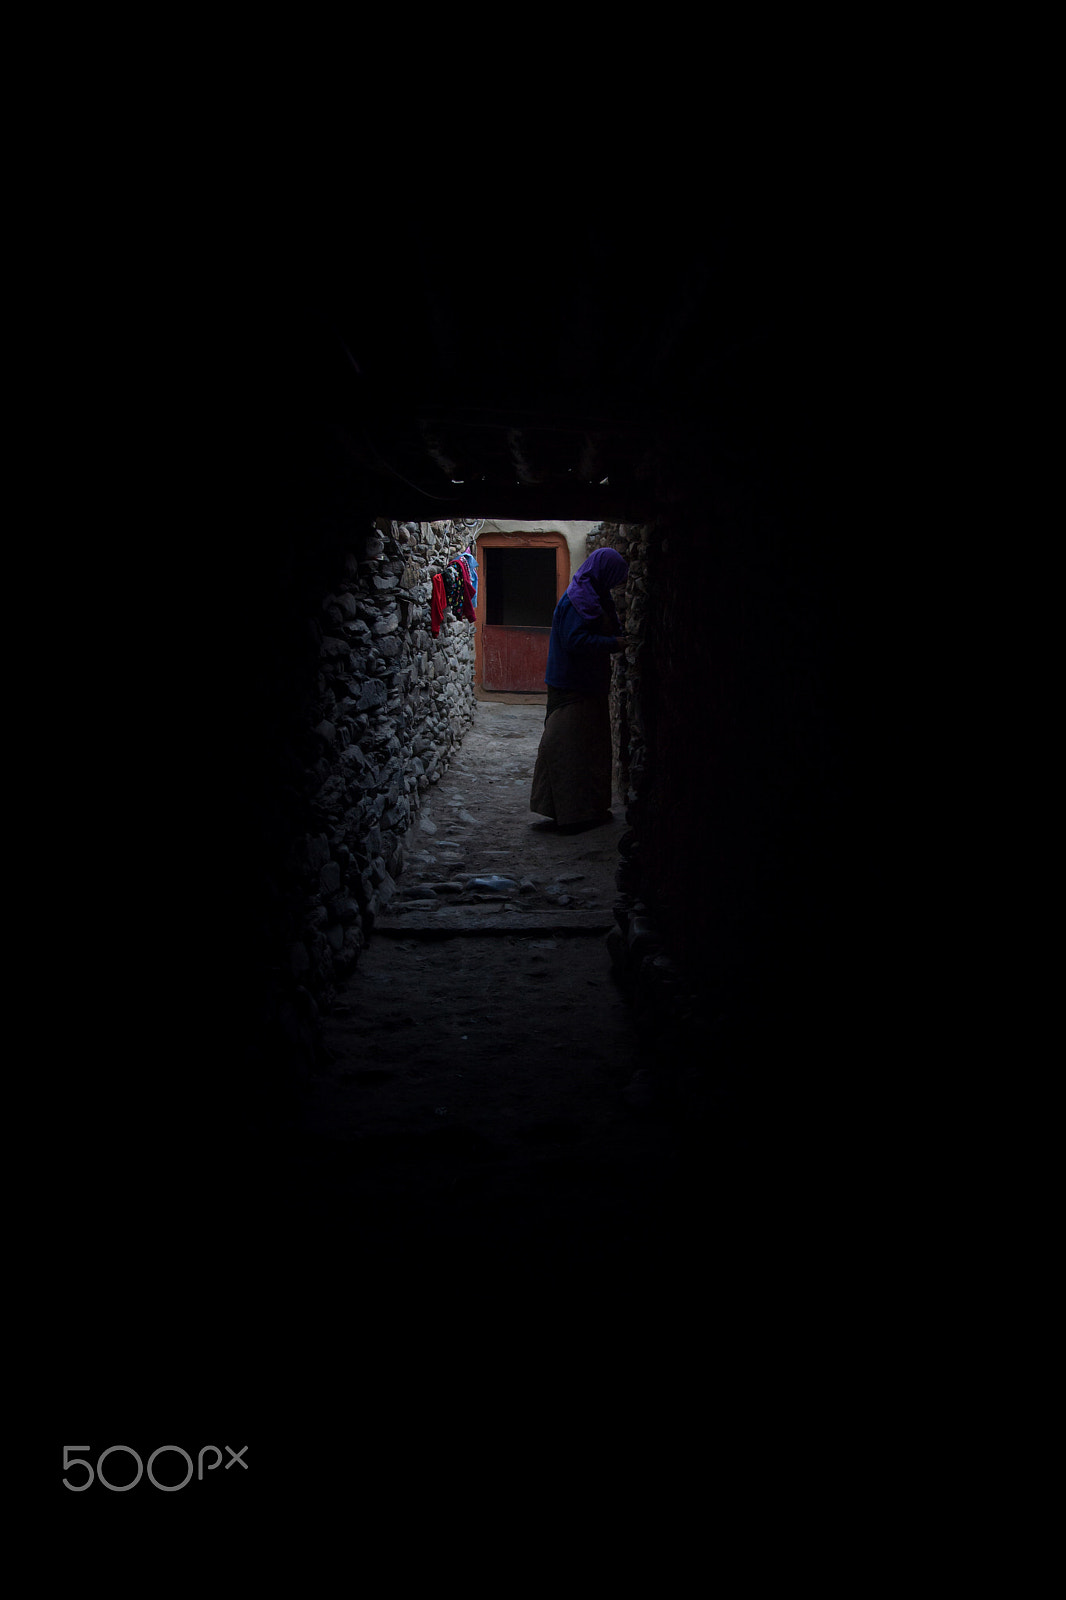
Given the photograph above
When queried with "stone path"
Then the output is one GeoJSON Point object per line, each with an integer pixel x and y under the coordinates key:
{"type": "Point", "coordinates": [474, 1108]}
{"type": "Point", "coordinates": [474, 862]}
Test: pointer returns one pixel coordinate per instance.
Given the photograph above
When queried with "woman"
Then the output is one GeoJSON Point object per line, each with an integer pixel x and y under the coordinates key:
{"type": "Point", "coordinates": [572, 779]}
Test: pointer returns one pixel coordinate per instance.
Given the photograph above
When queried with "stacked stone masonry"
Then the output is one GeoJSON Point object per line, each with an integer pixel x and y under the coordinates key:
{"type": "Point", "coordinates": [723, 729]}
{"type": "Point", "coordinates": [662, 999]}
{"type": "Point", "coordinates": [626, 720]}
{"type": "Point", "coordinates": [393, 703]}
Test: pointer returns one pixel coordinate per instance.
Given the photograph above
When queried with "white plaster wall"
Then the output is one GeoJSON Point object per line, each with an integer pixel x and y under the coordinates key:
{"type": "Point", "coordinates": [575, 534]}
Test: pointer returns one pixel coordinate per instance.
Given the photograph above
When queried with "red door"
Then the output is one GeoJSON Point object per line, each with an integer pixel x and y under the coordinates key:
{"type": "Point", "coordinates": [514, 658]}
{"type": "Point", "coordinates": [521, 578]}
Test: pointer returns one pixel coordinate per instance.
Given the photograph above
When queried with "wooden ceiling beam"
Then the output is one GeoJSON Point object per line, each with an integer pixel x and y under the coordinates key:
{"type": "Point", "coordinates": [560, 502]}
{"type": "Point", "coordinates": [521, 448]}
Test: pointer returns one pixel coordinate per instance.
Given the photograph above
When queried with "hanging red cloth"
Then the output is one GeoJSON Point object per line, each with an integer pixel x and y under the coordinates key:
{"type": "Point", "coordinates": [438, 604]}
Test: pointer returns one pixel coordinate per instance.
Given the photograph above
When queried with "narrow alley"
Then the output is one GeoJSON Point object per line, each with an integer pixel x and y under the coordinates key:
{"type": "Point", "coordinates": [482, 1099]}
{"type": "Point", "coordinates": [384, 1132]}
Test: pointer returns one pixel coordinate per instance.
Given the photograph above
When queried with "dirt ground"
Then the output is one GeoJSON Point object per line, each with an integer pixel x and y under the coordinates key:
{"type": "Point", "coordinates": [477, 1106]}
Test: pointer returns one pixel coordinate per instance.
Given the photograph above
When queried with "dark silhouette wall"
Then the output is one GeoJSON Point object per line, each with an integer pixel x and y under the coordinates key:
{"type": "Point", "coordinates": [211, 511]}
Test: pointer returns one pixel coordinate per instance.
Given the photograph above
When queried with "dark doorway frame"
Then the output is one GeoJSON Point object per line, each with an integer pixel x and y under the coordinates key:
{"type": "Point", "coordinates": [525, 541]}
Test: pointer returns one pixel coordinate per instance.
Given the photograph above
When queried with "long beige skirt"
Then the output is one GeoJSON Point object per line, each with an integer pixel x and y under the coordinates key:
{"type": "Point", "coordinates": [572, 778]}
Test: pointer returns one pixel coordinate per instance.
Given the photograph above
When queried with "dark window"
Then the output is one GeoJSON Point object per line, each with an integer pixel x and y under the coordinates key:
{"type": "Point", "coordinates": [519, 588]}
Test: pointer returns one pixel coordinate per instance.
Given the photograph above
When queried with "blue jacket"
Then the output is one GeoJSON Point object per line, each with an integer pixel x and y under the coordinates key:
{"type": "Point", "coordinates": [579, 652]}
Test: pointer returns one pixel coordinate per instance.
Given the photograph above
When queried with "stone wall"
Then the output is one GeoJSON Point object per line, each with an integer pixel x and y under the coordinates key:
{"type": "Point", "coordinates": [724, 730]}
{"type": "Point", "coordinates": [392, 703]}
{"type": "Point", "coordinates": [638, 947]}
{"type": "Point", "coordinates": [631, 605]}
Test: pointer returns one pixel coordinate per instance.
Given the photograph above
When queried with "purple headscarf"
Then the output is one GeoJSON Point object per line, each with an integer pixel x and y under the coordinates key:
{"type": "Point", "coordinates": [589, 588]}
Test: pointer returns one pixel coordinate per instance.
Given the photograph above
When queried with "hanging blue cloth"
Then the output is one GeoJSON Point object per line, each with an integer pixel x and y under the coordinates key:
{"type": "Point", "coordinates": [466, 556]}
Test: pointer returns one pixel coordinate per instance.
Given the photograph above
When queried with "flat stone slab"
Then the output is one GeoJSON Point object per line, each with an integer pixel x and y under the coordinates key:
{"type": "Point", "coordinates": [469, 920]}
